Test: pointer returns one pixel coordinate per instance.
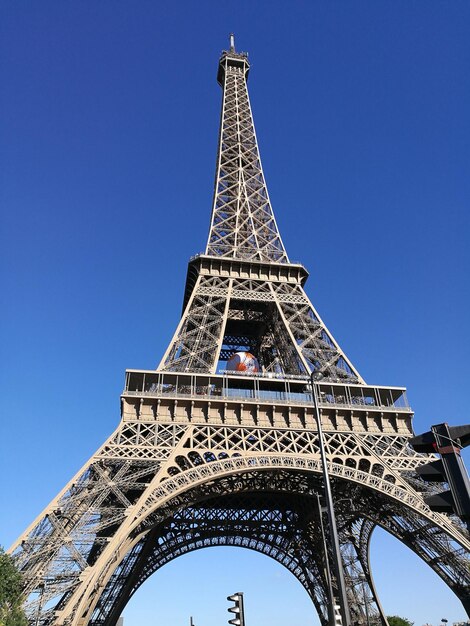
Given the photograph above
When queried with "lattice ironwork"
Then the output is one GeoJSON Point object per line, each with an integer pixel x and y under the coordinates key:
{"type": "Point", "coordinates": [242, 223]}
{"type": "Point", "coordinates": [203, 457]}
{"type": "Point", "coordinates": [273, 319]}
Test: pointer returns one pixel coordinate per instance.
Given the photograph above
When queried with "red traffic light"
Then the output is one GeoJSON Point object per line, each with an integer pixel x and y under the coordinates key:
{"type": "Point", "coordinates": [426, 442]}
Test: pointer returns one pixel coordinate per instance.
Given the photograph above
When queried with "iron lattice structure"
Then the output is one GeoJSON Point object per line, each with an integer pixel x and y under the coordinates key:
{"type": "Point", "coordinates": [203, 456]}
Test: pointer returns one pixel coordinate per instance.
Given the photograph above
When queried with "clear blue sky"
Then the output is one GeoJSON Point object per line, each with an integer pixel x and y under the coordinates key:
{"type": "Point", "coordinates": [108, 130]}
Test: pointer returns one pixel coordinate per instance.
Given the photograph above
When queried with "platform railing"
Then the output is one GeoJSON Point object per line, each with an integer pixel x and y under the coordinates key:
{"type": "Point", "coordinates": [295, 390]}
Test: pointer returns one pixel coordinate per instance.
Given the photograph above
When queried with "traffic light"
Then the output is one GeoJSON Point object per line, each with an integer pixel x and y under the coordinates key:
{"type": "Point", "coordinates": [338, 620]}
{"type": "Point", "coordinates": [447, 441]}
{"type": "Point", "coordinates": [239, 617]}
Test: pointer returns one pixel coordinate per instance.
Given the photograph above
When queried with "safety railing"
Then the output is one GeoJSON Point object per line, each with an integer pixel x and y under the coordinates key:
{"type": "Point", "coordinates": [294, 390]}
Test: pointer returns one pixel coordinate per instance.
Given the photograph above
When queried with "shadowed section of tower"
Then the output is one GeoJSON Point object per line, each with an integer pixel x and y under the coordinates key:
{"type": "Point", "coordinates": [242, 224]}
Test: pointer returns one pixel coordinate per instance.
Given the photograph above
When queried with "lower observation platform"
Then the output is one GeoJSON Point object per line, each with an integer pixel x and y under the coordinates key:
{"type": "Point", "coordinates": [263, 400]}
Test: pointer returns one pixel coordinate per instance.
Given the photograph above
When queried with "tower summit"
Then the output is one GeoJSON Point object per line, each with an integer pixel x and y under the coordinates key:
{"type": "Point", "coordinates": [242, 223]}
{"type": "Point", "coordinates": [219, 445]}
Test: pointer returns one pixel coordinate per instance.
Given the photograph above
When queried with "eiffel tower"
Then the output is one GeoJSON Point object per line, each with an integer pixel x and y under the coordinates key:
{"type": "Point", "coordinates": [210, 454]}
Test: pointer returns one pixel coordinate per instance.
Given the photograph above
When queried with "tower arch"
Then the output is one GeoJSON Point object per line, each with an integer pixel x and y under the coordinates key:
{"type": "Point", "coordinates": [284, 483]}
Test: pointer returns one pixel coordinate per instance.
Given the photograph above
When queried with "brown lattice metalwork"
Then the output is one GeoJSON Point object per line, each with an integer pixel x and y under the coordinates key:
{"type": "Point", "coordinates": [204, 457]}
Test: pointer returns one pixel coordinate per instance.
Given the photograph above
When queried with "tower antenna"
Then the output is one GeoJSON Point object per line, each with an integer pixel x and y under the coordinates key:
{"type": "Point", "coordinates": [232, 42]}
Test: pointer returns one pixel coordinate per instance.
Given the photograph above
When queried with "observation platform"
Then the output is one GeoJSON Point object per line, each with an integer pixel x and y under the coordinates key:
{"type": "Point", "coordinates": [265, 399]}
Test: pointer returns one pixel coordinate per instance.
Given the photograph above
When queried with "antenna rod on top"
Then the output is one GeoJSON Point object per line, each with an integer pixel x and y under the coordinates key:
{"type": "Point", "coordinates": [232, 42]}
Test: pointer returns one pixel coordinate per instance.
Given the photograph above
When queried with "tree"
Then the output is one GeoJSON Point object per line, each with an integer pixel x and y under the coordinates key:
{"type": "Point", "coordinates": [394, 620]}
{"type": "Point", "coordinates": [11, 593]}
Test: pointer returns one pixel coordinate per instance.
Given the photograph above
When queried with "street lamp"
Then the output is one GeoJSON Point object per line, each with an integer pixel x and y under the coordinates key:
{"type": "Point", "coordinates": [337, 562]}
{"type": "Point", "coordinates": [362, 578]}
{"type": "Point", "coordinates": [331, 598]}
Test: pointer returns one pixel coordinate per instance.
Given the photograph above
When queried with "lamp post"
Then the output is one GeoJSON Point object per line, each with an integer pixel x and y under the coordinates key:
{"type": "Point", "coordinates": [331, 598]}
{"type": "Point", "coordinates": [362, 578]}
{"type": "Point", "coordinates": [337, 562]}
